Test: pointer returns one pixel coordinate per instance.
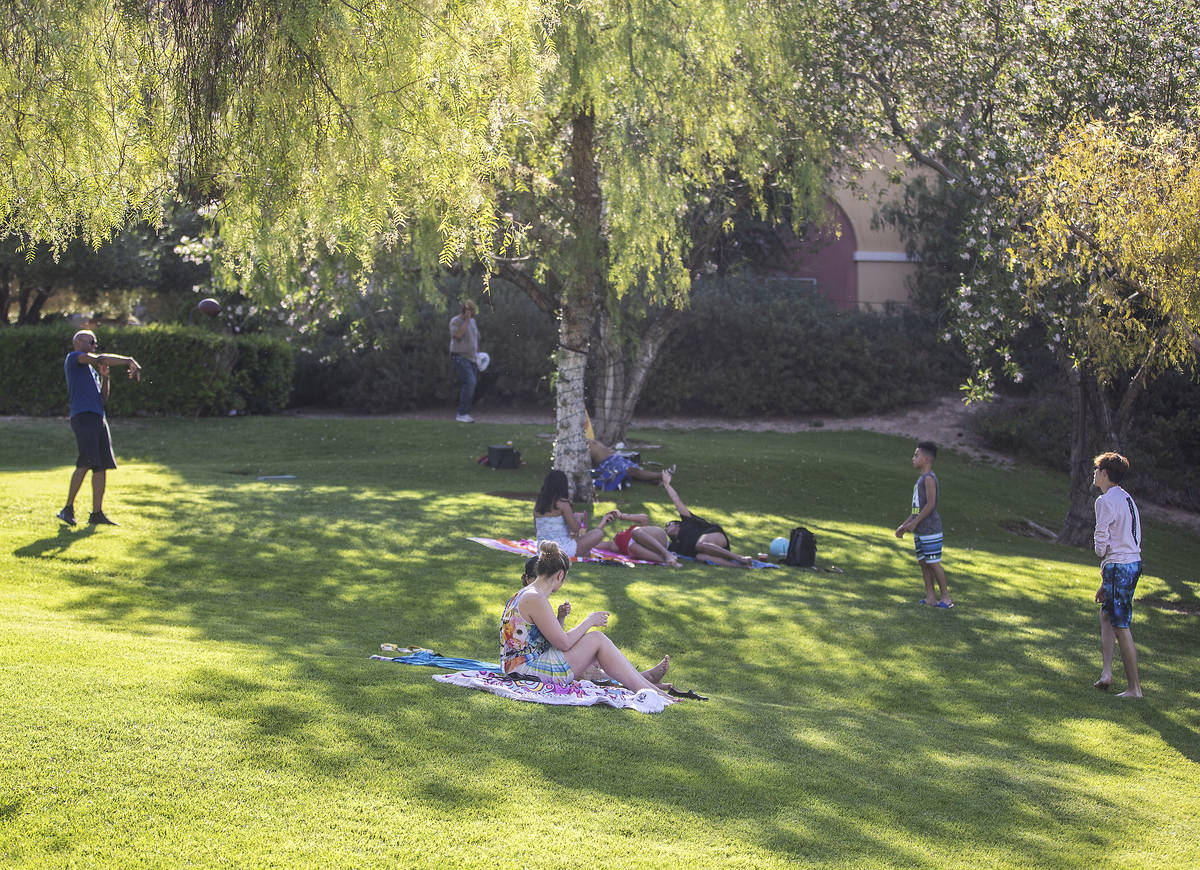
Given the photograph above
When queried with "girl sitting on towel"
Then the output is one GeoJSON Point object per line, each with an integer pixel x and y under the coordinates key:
{"type": "Point", "coordinates": [554, 519]}
{"type": "Point", "coordinates": [534, 643]}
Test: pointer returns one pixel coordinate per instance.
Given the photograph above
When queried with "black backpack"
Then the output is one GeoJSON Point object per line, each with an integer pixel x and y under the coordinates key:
{"type": "Point", "coordinates": [802, 549]}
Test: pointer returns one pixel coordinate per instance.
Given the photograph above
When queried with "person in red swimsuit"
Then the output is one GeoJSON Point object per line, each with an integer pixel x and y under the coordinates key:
{"type": "Point", "coordinates": [642, 540]}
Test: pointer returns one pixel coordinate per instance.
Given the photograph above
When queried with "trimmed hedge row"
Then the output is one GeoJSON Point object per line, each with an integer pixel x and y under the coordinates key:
{"type": "Point", "coordinates": [186, 370]}
{"type": "Point", "coordinates": [406, 362]}
{"type": "Point", "coordinates": [743, 354]}
{"type": "Point", "coordinates": [764, 352]}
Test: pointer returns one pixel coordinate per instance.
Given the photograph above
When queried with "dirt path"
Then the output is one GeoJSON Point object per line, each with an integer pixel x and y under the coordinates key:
{"type": "Point", "coordinates": [944, 421]}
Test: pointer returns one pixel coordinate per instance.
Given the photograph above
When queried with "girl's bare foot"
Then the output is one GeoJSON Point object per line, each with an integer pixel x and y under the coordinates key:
{"type": "Point", "coordinates": [656, 673]}
{"type": "Point", "coordinates": [1130, 693]}
{"type": "Point", "coordinates": [1102, 684]}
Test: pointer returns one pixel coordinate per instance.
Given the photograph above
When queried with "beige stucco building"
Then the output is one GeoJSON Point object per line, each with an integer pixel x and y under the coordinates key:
{"type": "Point", "coordinates": [856, 262]}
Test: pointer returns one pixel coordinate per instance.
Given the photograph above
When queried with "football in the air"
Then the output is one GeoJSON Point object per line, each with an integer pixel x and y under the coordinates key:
{"type": "Point", "coordinates": [209, 306]}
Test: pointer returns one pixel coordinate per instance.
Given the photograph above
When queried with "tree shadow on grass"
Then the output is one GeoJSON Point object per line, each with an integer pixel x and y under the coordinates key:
{"type": "Point", "coordinates": [816, 753]}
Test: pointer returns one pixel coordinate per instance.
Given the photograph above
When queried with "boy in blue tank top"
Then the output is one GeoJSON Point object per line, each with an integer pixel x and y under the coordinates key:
{"type": "Point", "coordinates": [926, 525]}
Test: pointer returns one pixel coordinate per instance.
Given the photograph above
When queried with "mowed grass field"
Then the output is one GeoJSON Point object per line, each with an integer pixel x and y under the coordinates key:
{"type": "Point", "coordinates": [193, 688]}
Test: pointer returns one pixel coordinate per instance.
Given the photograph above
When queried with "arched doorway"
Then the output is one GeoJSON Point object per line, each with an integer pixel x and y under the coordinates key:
{"type": "Point", "coordinates": [825, 256]}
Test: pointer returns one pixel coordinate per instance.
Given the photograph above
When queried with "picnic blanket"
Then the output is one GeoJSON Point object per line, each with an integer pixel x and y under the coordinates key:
{"type": "Point", "coordinates": [420, 656]}
{"type": "Point", "coordinates": [581, 693]}
{"type": "Point", "coordinates": [526, 547]}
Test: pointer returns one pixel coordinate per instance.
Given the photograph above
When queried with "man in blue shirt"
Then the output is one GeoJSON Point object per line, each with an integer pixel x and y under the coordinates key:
{"type": "Point", "coordinates": [87, 386]}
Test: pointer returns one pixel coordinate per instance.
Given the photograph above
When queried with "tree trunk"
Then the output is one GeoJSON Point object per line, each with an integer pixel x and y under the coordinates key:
{"type": "Point", "coordinates": [1080, 522]}
{"type": "Point", "coordinates": [577, 311]}
{"type": "Point", "coordinates": [30, 301]}
{"type": "Point", "coordinates": [5, 294]}
{"type": "Point", "coordinates": [1108, 430]}
{"type": "Point", "coordinates": [623, 375]}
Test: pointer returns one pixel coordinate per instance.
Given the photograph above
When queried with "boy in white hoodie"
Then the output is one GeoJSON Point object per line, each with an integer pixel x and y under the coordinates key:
{"type": "Point", "coordinates": [1118, 541]}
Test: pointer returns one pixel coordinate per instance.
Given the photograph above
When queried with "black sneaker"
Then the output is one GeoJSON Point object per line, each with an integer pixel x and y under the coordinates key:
{"type": "Point", "coordinates": [98, 518]}
{"type": "Point", "coordinates": [67, 515]}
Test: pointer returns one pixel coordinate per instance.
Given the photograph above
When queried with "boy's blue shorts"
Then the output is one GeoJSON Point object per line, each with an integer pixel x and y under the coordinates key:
{"type": "Point", "coordinates": [928, 547]}
{"type": "Point", "coordinates": [1119, 580]}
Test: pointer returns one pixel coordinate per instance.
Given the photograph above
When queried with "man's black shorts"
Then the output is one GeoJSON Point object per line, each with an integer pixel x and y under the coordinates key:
{"type": "Point", "coordinates": [95, 445]}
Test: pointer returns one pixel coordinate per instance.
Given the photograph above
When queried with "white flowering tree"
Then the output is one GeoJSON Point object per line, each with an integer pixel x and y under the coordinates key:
{"type": "Point", "coordinates": [976, 94]}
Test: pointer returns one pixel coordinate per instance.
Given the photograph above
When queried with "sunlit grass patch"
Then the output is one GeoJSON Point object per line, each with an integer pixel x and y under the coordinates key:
{"type": "Point", "coordinates": [193, 687]}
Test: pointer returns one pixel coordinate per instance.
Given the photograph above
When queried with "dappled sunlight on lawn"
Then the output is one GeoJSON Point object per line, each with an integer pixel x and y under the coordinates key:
{"type": "Point", "coordinates": [846, 723]}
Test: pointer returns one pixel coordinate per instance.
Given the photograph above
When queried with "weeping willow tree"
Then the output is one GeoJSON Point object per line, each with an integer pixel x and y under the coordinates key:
{"type": "Point", "coordinates": [653, 107]}
{"type": "Point", "coordinates": [299, 126]}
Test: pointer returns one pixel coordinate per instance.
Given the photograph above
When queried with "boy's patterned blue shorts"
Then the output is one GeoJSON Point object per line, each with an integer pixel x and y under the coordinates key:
{"type": "Point", "coordinates": [1119, 580]}
{"type": "Point", "coordinates": [928, 547]}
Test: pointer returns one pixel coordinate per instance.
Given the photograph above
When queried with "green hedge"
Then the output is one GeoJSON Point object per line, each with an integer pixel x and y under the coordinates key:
{"type": "Point", "coordinates": [765, 351]}
{"type": "Point", "coordinates": [403, 363]}
{"type": "Point", "coordinates": [1163, 444]}
{"type": "Point", "coordinates": [185, 370]}
{"type": "Point", "coordinates": [742, 350]}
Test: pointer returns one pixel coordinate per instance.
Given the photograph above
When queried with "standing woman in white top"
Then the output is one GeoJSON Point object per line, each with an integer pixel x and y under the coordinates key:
{"type": "Point", "coordinates": [554, 519]}
{"type": "Point", "coordinates": [1118, 541]}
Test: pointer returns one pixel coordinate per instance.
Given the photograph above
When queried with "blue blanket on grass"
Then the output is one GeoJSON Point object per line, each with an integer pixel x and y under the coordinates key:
{"type": "Point", "coordinates": [432, 659]}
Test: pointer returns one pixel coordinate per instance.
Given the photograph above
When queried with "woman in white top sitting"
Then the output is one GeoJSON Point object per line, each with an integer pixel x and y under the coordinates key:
{"type": "Point", "coordinates": [554, 519]}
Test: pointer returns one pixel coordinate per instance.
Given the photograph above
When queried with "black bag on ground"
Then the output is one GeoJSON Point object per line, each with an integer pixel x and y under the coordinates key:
{"type": "Point", "coordinates": [503, 456]}
{"type": "Point", "coordinates": [802, 549]}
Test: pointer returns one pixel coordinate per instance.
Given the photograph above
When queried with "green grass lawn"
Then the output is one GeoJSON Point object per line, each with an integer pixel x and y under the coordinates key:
{"type": "Point", "coordinates": [193, 688]}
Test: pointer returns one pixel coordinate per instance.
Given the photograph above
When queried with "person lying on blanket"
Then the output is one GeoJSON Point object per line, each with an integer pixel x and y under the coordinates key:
{"type": "Point", "coordinates": [688, 536]}
{"type": "Point", "coordinates": [610, 468]}
{"type": "Point", "coordinates": [641, 540]}
{"type": "Point", "coordinates": [534, 642]}
{"type": "Point", "coordinates": [692, 536]}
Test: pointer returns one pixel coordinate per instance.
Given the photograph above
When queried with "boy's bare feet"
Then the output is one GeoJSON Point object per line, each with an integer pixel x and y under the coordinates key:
{"type": "Point", "coordinates": [1102, 684]}
{"type": "Point", "coordinates": [1130, 693]}
{"type": "Point", "coordinates": [656, 673]}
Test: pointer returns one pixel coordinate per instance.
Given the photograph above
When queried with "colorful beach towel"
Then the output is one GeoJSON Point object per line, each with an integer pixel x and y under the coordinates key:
{"type": "Point", "coordinates": [581, 693]}
{"type": "Point", "coordinates": [526, 547]}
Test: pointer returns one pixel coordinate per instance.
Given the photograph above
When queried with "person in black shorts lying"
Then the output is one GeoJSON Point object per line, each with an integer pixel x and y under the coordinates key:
{"type": "Point", "coordinates": [694, 536]}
